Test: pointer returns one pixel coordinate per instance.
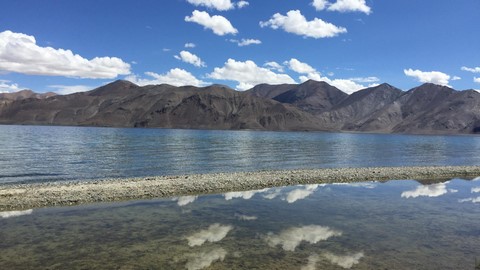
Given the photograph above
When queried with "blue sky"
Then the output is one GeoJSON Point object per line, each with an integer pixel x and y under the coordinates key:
{"type": "Point", "coordinates": [68, 46]}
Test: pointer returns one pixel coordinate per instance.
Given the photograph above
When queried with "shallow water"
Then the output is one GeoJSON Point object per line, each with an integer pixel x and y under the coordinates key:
{"type": "Point", "coordinates": [50, 153]}
{"type": "Point", "coordinates": [392, 225]}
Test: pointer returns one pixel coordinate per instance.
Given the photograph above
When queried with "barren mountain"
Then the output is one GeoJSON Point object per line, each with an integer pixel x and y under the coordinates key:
{"type": "Point", "coordinates": [427, 109]}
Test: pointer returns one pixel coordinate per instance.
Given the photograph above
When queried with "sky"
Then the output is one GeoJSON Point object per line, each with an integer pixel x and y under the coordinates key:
{"type": "Point", "coordinates": [70, 46]}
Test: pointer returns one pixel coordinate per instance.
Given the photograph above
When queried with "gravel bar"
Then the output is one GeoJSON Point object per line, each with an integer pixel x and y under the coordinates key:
{"type": "Point", "coordinates": [27, 196]}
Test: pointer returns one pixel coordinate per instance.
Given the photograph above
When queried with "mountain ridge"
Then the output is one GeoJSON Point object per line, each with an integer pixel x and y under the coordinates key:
{"type": "Point", "coordinates": [312, 105]}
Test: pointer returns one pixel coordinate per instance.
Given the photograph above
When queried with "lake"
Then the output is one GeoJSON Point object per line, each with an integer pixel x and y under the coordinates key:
{"type": "Point", "coordinates": [392, 225]}
{"type": "Point", "coordinates": [53, 153]}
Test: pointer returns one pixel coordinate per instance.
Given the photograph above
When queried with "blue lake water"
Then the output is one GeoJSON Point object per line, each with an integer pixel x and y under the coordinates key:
{"type": "Point", "coordinates": [392, 225]}
{"type": "Point", "coordinates": [52, 153]}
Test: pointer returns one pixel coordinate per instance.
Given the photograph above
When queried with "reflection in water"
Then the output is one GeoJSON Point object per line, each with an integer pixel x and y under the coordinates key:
{"type": "Point", "coordinates": [369, 185]}
{"type": "Point", "coordinates": [245, 217]}
{"type": "Point", "coordinates": [433, 190]}
{"type": "Point", "coordinates": [475, 189]}
{"type": "Point", "coordinates": [258, 233]}
{"type": "Point", "coordinates": [214, 233]}
{"type": "Point", "coordinates": [204, 259]}
{"type": "Point", "coordinates": [10, 214]}
{"type": "Point", "coordinates": [290, 238]}
{"type": "Point", "coordinates": [246, 195]}
{"type": "Point", "coordinates": [184, 200]}
{"type": "Point", "coordinates": [345, 261]}
{"type": "Point", "coordinates": [301, 193]}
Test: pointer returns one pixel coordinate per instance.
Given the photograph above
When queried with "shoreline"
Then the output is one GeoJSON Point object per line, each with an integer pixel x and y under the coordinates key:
{"type": "Point", "coordinates": [37, 195]}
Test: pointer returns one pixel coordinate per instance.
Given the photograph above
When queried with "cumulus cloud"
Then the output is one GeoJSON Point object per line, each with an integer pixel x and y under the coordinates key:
{"type": "Point", "coordinates": [456, 78]}
{"type": "Point", "coordinates": [248, 74]}
{"type": "Point", "coordinates": [190, 58]}
{"type": "Point", "coordinates": [8, 87]}
{"type": "Point", "coordinates": [350, 6]}
{"type": "Point", "coordinates": [274, 66]}
{"type": "Point", "coordinates": [203, 260]}
{"type": "Point", "coordinates": [300, 193]}
{"type": "Point", "coordinates": [320, 4]}
{"type": "Point", "coordinates": [184, 200]}
{"type": "Point", "coordinates": [434, 190]}
{"type": "Point", "coordinates": [70, 89]}
{"type": "Point", "coordinates": [371, 79]}
{"type": "Point", "coordinates": [299, 67]}
{"type": "Point", "coordinates": [10, 214]}
{"type": "Point", "coordinates": [218, 24]}
{"type": "Point", "coordinates": [477, 80]}
{"type": "Point", "coordinates": [435, 77]}
{"type": "Point", "coordinates": [290, 238]}
{"type": "Point", "coordinates": [176, 77]}
{"type": "Point", "coordinates": [221, 5]}
{"type": "Point", "coordinates": [344, 261]}
{"type": "Point", "coordinates": [20, 53]}
{"type": "Point", "coordinates": [214, 233]}
{"type": "Point", "coordinates": [190, 45]}
{"type": "Point", "coordinates": [246, 42]}
{"type": "Point", "coordinates": [242, 4]}
{"type": "Point", "coordinates": [473, 70]}
{"type": "Point", "coordinates": [294, 22]}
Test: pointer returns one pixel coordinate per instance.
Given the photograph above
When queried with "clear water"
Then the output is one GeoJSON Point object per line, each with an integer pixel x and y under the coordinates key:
{"type": "Point", "coordinates": [393, 225]}
{"type": "Point", "coordinates": [49, 153]}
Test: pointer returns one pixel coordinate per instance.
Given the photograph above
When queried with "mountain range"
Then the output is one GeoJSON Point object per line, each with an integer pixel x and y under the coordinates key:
{"type": "Point", "coordinates": [312, 105]}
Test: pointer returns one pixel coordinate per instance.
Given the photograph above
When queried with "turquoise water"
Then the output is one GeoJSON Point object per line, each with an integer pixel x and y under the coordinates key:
{"type": "Point", "coordinates": [392, 225]}
{"type": "Point", "coordinates": [49, 153]}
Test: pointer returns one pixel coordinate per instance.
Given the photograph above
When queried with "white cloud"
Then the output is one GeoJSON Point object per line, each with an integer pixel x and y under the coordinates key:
{"type": "Point", "coordinates": [218, 24]}
{"type": "Point", "coordinates": [190, 45]}
{"type": "Point", "coordinates": [274, 66]}
{"type": "Point", "coordinates": [434, 190]}
{"type": "Point", "coordinates": [190, 58]}
{"type": "Point", "coordinates": [248, 74]}
{"type": "Point", "coordinates": [294, 22]}
{"type": "Point", "coordinates": [350, 6]}
{"type": "Point", "coordinates": [473, 70]}
{"type": "Point", "coordinates": [184, 200]}
{"type": "Point", "coordinates": [242, 4]}
{"type": "Point", "coordinates": [214, 233]}
{"type": "Point", "coordinates": [477, 80]}
{"type": "Point", "coordinates": [476, 190]}
{"type": "Point", "coordinates": [299, 67]}
{"type": "Point", "coordinates": [320, 4]}
{"type": "Point", "coordinates": [203, 260]}
{"type": "Point", "coordinates": [166, 49]}
{"type": "Point", "coordinates": [300, 193]}
{"type": "Point", "coordinates": [246, 42]}
{"type": "Point", "coordinates": [473, 200]}
{"type": "Point", "coordinates": [20, 53]}
{"type": "Point", "coordinates": [175, 77]}
{"type": "Point", "coordinates": [346, 261]}
{"type": "Point", "coordinates": [70, 89]}
{"type": "Point", "coordinates": [246, 195]}
{"type": "Point", "coordinates": [435, 77]}
{"type": "Point", "coordinates": [371, 79]}
{"type": "Point", "coordinates": [10, 214]}
{"type": "Point", "coordinates": [8, 87]}
{"type": "Point", "coordinates": [221, 5]}
{"type": "Point", "coordinates": [456, 78]}
{"type": "Point", "coordinates": [290, 238]}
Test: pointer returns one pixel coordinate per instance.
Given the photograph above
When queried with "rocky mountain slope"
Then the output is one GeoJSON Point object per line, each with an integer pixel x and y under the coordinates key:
{"type": "Point", "coordinates": [427, 109]}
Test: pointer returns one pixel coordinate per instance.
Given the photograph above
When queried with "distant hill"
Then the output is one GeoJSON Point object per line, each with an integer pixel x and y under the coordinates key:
{"type": "Point", "coordinates": [312, 105]}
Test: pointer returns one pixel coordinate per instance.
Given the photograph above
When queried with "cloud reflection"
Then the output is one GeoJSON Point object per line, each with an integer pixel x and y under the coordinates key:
{"type": "Point", "coordinates": [205, 259]}
{"type": "Point", "coordinates": [312, 262]}
{"type": "Point", "coordinates": [245, 217]}
{"type": "Point", "coordinates": [246, 195]}
{"type": "Point", "coordinates": [346, 261]}
{"type": "Point", "coordinates": [475, 189]}
{"type": "Point", "coordinates": [184, 200]}
{"type": "Point", "coordinates": [434, 190]}
{"type": "Point", "coordinates": [301, 193]}
{"type": "Point", "coordinates": [290, 238]}
{"type": "Point", "coordinates": [214, 233]}
{"type": "Point", "coordinates": [10, 214]}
